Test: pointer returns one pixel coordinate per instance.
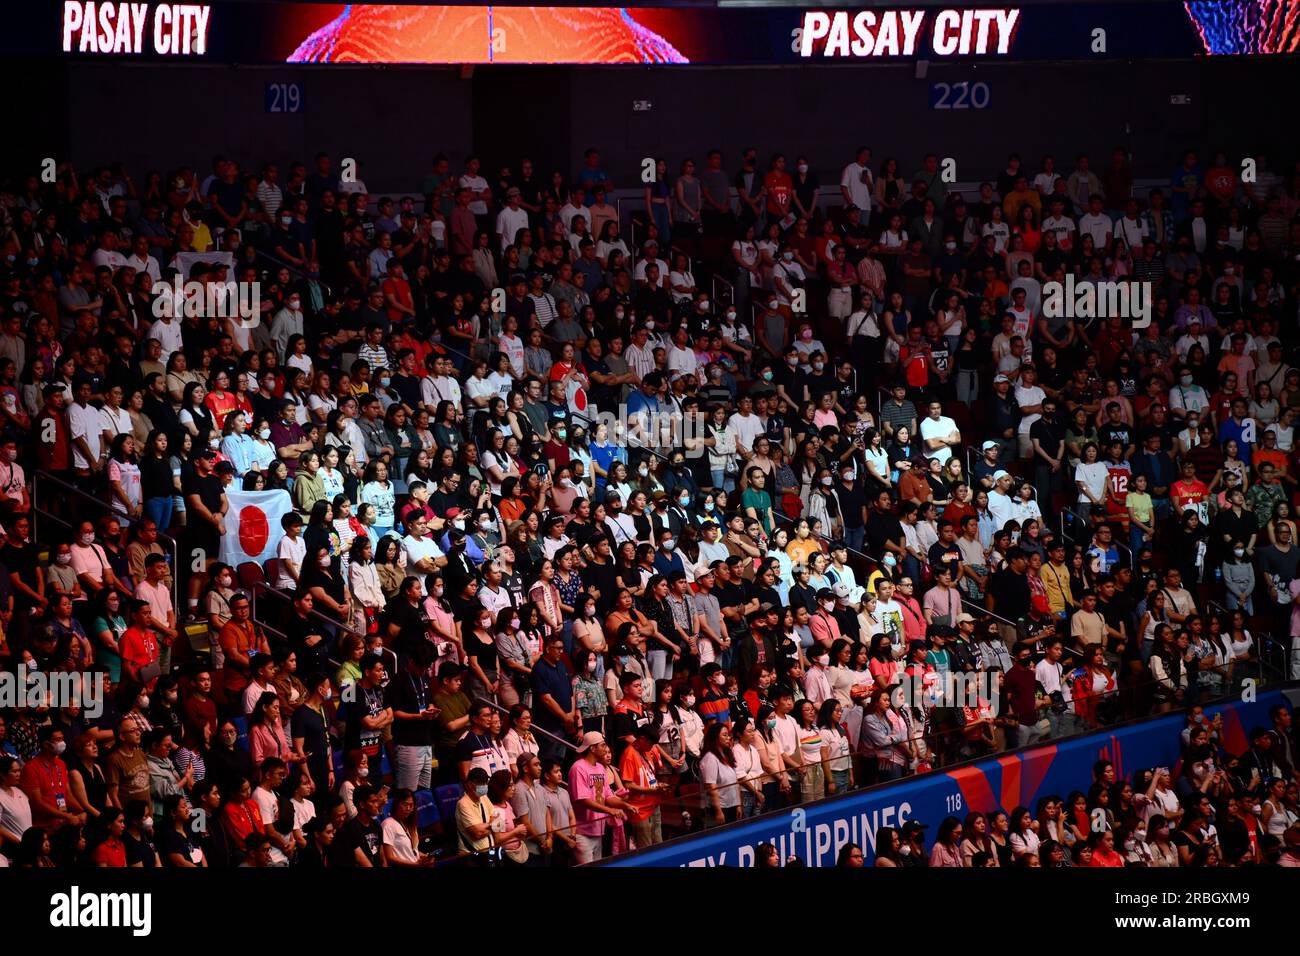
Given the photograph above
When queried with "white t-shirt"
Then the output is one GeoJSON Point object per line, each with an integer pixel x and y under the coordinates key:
{"type": "Point", "coordinates": [1029, 395]}
{"type": "Point", "coordinates": [1094, 477]}
{"type": "Point", "coordinates": [1063, 226]}
{"type": "Point", "coordinates": [1097, 226]}
{"type": "Point", "coordinates": [292, 549]}
{"type": "Point", "coordinates": [269, 806]}
{"type": "Point", "coordinates": [747, 429]}
{"type": "Point", "coordinates": [859, 191]}
{"type": "Point", "coordinates": [84, 422]}
{"type": "Point", "coordinates": [940, 428]}
{"type": "Point", "coordinates": [477, 184]}
{"type": "Point", "coordinates": [509, 222]}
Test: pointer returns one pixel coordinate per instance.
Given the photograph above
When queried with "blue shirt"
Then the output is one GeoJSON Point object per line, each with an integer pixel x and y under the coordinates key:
{"type": "Point", "coordinates": [551, 679]}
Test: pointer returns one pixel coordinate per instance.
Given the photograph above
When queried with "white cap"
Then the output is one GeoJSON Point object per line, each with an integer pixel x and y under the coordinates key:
{"type": "Point", "coordinates": [1000, 474]}
{"type": "Point", "coordinates": [988, 445]}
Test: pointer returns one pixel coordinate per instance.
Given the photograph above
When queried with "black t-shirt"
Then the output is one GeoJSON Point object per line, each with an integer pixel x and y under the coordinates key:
{"type": "Point", "coordinates": [209, 490]}
{"type": "Point", "coordinates": [1109, 433]}
{"type": "Point", "coordinates": [882, 527]}
{"type": "Point", "coordinates": [1011, 593]}
{"type": "Point", "coordinates": [852, 501]}
{"type": "Point", "coordinates": [410, 695]}
{"type": "Point", "coordinates": [408, 389]}
{"type": "Point", "coordinates": [140, 851]}
{"type": "Point", "coordinates": [369, 701]}
{"type": "Point", "coordinates": [172, 841]}
{"type": "Point", "coordinates": [1049, 435]}
{"type": "Point", "coordinates": [367, 836]}
{"type": "Point", "coordinates": [945, 557]}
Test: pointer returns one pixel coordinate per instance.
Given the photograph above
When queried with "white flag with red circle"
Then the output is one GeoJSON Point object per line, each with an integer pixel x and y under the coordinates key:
{"type": "Point", "coordinates": [253, 525]}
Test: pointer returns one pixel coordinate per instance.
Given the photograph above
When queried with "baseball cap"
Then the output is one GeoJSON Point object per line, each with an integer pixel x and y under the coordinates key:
{"type": "Point", "coordinates": [965, 618]}
{"type": "Point", "coordinates": [1000, 378]}
{"type": "Point", "coordinates": [988, 445]}
{"type": "Point", "coordinates": [825, 594]}
{"type": "Point", "coordinates": [841, 591]}
{"type": "Point", "coordinates": [913, 826]}
{"type": "Point", "coordinates": [1000, 474]}
{"type": "Point", "coordinates": [589, 740]}
{"type": "Point", "coordinates": [700, 570]}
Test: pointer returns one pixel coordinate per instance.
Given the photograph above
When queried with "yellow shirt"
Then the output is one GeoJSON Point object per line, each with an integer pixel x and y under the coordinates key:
{"type": "Point", "coordinates": [1056, 581]}
{"type": "Point", "coordinates": [1139, 505]}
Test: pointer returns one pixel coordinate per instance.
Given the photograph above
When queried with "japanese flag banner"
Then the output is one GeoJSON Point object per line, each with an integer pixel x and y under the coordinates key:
{"type": "Point", "coordinates": [253, 525]}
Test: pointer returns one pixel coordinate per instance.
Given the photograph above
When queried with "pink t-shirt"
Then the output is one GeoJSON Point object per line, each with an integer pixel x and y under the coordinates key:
{"type": "Point", "coordinates": [588, 781]}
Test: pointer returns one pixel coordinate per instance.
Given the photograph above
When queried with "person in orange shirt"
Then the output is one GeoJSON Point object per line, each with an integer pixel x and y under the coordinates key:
{"type": "Point", "coordinates": [240, 639]}
{"type": "Point", "coordinates": [639, 769]}
{"type": "Point", "coordinates": [1268, 452]}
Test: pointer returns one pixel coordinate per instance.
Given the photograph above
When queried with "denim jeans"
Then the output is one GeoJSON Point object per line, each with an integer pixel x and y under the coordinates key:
{"type": "Point", "coordinates": [159, 511]}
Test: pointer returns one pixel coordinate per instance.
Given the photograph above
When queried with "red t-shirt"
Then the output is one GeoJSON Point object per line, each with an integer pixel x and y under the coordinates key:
{"type": "Point", "coordinates": [780, 187]}
{"type": "Point", "coordinates": [112, 852]}
{"type": "Point", "coordinates": [139, 648]}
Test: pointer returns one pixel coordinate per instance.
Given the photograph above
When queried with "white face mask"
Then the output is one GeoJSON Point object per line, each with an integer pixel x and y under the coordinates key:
{"type": "Point", "coordinates": [704, 305]}
{"type": "Point", "coordinates": [64, 559]}
{"type": "Point", "coordinates": [485, 523]}
{"type": "Point", "coordinates": [1239, 552]}
{"type": "Point", "coordinates": [264, 434]}
{"type": "Point", "coordinates": [458, 524]}
{"type": "Point", "coordinates": [87, 539]}
{"type": "Point", "coordinates": [719, 678]}
{"type": "Point", "coordinates": [591, 666]}
{"type": "Point", "coordinates": [514, 623]}
{"type": "Point", "coordinates": [669, 544]}
{"type": "Point", "coordinates": [828, 481]}
{"type": "Point", "coordinates": [689, 700]}
{"type": "Point", "coordinates": [143, 701]}
{"type": "Point", "coordinates": [828, 606]}
{"type": "Point", "coordinates": [60, 747]}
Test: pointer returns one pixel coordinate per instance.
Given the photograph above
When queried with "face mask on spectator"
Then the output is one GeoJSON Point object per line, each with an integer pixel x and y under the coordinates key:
{"type": "Point", "coordinates": [87, 539]}
{"type": "Point", "coordinates": [264, 434]}
{"type": "Point", "coordinates": [514, 623]}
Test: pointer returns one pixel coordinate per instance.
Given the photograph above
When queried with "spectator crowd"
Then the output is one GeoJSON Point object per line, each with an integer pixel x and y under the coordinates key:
{"type": "Point", "coordinates": [597, 527]}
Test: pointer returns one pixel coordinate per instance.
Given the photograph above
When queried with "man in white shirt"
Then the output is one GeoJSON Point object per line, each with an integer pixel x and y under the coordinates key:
{"type": "Point", "coordinates": [1001, 506]}
{"type": "Point", "coordinates": [1130, 227]}
{"type": "Point", "coordinates": [640, 354]}
{"type": "Point", "coordinates": [85, 428]}
{"type": "Point", "coordinates": [746, 425]}
{"type": "Point", "coordinates": [511, 218]}
{"type": "Point", "coordinates": [1048, 674]}
{"type": "Point", "coordinates": [576, 207]}
{"type": "Point", "coordinates": [107, 254]}
{"type": "Point", "coordinates": [114, 419]}
{"type": "Point", "coordinates": [939, 434]}
{"type": "Point", "coordinates": [1060, 224]}
{"type": "Point", "coordinates": [1029, 396]}
{"type": "Point", "coordinates": [478, 187]}
{"type": "Point", "coordinates": [651, 254]}
{"type": "Point", "coordinates": [1097, 224]}
{"type": "Point", "coordinates": [423, 555]}
{"type": "Point", "coordinates": [141, 261]}
{"type": "Point", "coordinates": [167, 330]}
{"type": "Point", "coordinates": [857, 182]}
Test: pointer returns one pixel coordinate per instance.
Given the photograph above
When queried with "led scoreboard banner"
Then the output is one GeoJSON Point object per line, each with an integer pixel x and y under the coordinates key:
{"type": "Point", "coordinates": [321, 33]}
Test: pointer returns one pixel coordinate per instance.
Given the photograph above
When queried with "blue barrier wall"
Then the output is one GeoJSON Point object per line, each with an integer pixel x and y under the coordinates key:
{"type": "Point", "coordinates": [815, 833]}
